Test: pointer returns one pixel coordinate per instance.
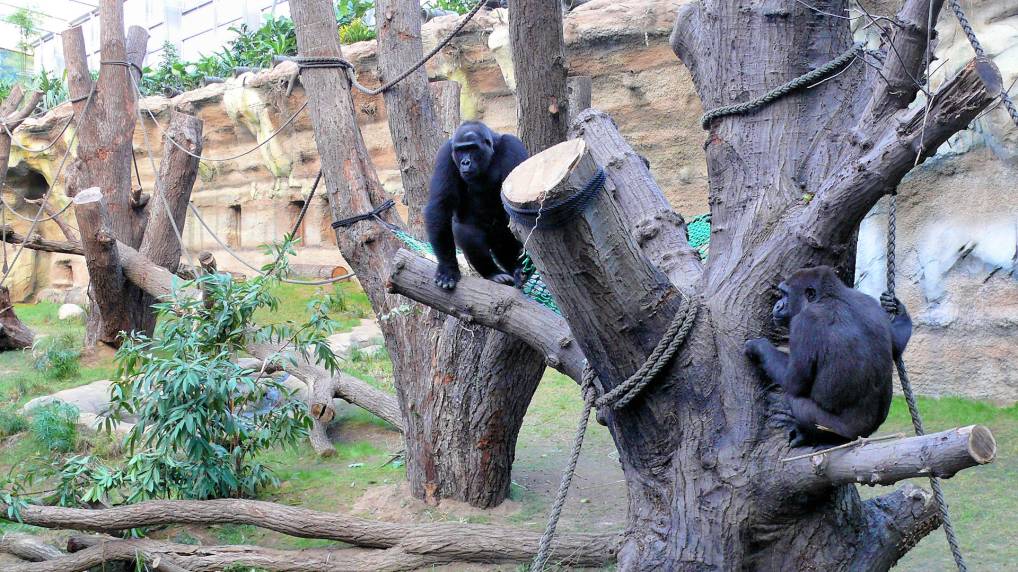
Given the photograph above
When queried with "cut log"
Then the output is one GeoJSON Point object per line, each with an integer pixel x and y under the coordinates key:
{"type": "Point", "coordinates": [14, 335]}
{"type": "Point", "coordinates": [886, 462]}
{"type": "Point", "coordinates": [450, 541]}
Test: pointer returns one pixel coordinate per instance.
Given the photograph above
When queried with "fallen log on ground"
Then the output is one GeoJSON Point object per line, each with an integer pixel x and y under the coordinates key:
{"type": "Point", "coordinates": [449, 542]}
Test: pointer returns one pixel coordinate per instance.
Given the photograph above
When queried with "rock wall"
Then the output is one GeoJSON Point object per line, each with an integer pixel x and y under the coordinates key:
{"type": "Point", "coordinates": [958, 217]}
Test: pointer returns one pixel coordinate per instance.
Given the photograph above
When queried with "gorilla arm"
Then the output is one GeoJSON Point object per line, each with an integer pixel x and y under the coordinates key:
{"type": "Point", "coordinates": [444, 195]}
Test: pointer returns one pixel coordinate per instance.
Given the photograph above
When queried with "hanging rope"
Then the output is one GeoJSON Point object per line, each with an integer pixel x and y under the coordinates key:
{"type": "Point", "coordinates": [823, 72]}
{"type": "Point", "coordinates": [333, 62]}
{"type": "Point", "coordinates": [977, 47]}
{"type": "Point", "coordinates": [906, 388]}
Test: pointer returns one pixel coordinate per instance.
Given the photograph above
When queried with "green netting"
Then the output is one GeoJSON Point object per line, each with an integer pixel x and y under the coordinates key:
{"type": "Point", "coordinates": [698, 231]}
{"type": "Point", "coordinates": [533, 286]}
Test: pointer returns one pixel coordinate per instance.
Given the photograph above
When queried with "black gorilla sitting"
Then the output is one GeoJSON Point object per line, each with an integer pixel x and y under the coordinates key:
{"type": "Point", "coordinates": [837, 374]}
{"type": "Point", "coordinates": [464, 207]}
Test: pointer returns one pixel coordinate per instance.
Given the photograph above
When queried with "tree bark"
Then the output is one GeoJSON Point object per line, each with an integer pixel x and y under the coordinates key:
{"type": "Point", "coordinates": [455, 542]}
{"type": "Point", "coordinates": [105, 132]}
{"type": "Point", "coordinates": [580, 90]}
{"type": "Point", "coordinates": [28, 547]}
{"type": "Point", "coordinates": [462, 414]}
{"type": "Point", "coordinates": [106, 277]}
{"type": "Point", "coordinates": [539, 62]}
{"type": "Point", "coordinates": [14, 334]}
{"type": "Point", "coordinates": [446, 95]}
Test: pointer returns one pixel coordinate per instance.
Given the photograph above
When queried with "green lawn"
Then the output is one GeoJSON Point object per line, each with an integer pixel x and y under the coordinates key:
{"type": "Point", "coordinates": [982, 500]}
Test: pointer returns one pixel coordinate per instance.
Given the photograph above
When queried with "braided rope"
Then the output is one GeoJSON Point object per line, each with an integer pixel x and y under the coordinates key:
{"type": "Point", "coordinates": [823, 72]}
{"type": "Point", "coordinates": [334, 62]}
{"type": "Point", "coordinates": [617, 398]}
{"type": "Point", "coordinates": [906, 389]}
{"type": "Point", "coordinates": [658, 359]}
{"type": "Point", "coordinates": [544, 546]}
{"type": "Point", "coordinates": [977, 47]}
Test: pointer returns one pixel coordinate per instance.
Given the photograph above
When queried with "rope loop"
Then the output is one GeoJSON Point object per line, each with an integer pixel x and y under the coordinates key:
{"type": "Point", "coordinates": [821, 73]}
{"type": "Point", "coordinates": [555, 215]}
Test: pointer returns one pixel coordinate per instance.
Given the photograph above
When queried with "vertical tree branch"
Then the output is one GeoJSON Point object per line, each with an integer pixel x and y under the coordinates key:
{"type": "Point", "coordinates": [539, 61]}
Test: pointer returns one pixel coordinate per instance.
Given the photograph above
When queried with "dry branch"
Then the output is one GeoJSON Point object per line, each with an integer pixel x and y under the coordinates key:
{"type": "Point", "coordinates": [455, 542]}
{"type": "Point", "coordinates": [344, 386]}
{"type": "Point", "coordinates": [500, 307]}
{"type": "Point", "coordinates": [886, 462]}
{"type": "Point", "coordinates": [28, 547]}
{"type": "Point", "coordinates": [37, 242]}
{"type": "Point", "coordinates": [97, 549]}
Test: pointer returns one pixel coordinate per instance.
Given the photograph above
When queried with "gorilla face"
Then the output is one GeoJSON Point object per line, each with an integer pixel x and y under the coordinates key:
{"type": "Point", "coordinates": [472, 151]}
{"type": "Point", "coordinates": [799, 290]}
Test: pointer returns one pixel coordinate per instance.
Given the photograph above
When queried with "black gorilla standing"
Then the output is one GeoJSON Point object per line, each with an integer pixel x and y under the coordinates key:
{"type": "Point", "coordinates": [837, 374]}
{"type": "Point", "coordinates": [464, 207]}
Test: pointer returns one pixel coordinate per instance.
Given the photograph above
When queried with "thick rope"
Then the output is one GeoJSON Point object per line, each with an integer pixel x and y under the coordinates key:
{"type": "Point", "coordinates": [544, 546]}
{"type": "Point", "coordinates": [333, 62]}
{"type": "Point", "coordinates": [617, 398]}
{"type": "Point", "coordinates": [821, 73]}
{"type": "Point", "coordinates": [906, 389]}
{"type": "Point", "coordinates": [662, 355]}
{"type": "Point", "coordinates": [977, 47]}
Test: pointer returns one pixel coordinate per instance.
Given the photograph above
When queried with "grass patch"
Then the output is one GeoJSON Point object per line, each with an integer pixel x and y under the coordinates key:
{"type": "Point", "coordinates": [349, 303]}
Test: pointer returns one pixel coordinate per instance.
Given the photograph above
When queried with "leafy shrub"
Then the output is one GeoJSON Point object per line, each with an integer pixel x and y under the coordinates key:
{"type": "Point", "coordinates": [11, 422]}
{"type": "Point", "coordinates": [57, 357]}
{"type": "Point", "coordinates": [458, 6]}
{"type": "Point", "coordinates": [202, 419]}
{"type": "Point", "coordinates": [55, 426]}
{"type": "Point", "coordinates": [356, 31]}
{"type": "Point", "coordinates": [53, 88]}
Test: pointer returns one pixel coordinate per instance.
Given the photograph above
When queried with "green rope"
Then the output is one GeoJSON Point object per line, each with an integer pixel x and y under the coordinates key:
{"type": "Point", "coordinates": [821, 73]}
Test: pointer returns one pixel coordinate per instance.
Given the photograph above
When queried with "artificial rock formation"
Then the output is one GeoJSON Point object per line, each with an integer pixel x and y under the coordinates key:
{"type": "Point", "coordinates": [957, 247]}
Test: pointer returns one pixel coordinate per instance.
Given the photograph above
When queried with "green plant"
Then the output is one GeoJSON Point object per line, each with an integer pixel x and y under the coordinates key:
{"type": "Point", "coordinates": [27, 23]}
{"type": "Point", "coordinates": [53, 88]}
{"type": "Point", "coordinates": [349, 10]}
{"type": "Point", "coordinates": [11, 422]}
{"type": "Point", "coordinates": [171, 74]}
{"type": "Point", "coordinates": [256, 47]}
{"type": "Point", "coordinates": [56, 357]}
{"type": "Point", "coordinates": [356, 31]}
{"type": "Point", "coordinates": [55, 426]}
{"type": "Point", "coordinates": [202, 419]}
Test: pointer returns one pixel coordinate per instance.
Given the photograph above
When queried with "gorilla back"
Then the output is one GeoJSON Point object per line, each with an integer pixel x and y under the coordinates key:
{"type": "Point", "coordinates": [464, 208]}
{"type": "Point", "coordinates": [837, 374]}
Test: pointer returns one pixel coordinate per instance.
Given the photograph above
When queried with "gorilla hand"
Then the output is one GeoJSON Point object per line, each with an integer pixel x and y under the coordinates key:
{"type": "Point", "coordinates": [890, 304]}
{"type": "Point", "coordinates": [755, 348]}
{"type": "Point", "coordinates": [446, 277]}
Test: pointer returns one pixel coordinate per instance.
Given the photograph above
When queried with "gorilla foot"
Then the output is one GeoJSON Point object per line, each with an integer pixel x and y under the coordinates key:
{"type": "Point", "coordinates": [502, 278]}
{"type": "Point", "coordinates": [447, 278]}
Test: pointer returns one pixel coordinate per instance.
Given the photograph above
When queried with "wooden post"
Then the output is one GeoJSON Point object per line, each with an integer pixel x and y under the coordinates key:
{"type": "Point", "coordinates": [580, 90]}
{"type": "Point", "coordinates": [105, 274]}
{"type": "Point", "coordinates": [447, 105]}
{"type": "Point", "coordinates": [413, 122]}
{"type": "Point", "coordinates": [539, 60]}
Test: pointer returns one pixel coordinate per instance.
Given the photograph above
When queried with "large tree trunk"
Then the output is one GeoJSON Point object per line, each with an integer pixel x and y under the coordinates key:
{"type": "Point", "coordinates": [463, 388]}
{"type": "Point", "coordinates": [539, 62]}
{"type": "Point", "coordinates": [702, 446]}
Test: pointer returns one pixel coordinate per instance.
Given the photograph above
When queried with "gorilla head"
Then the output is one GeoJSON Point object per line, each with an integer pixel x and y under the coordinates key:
{"type": "Point", "coordinates": [473, 146]}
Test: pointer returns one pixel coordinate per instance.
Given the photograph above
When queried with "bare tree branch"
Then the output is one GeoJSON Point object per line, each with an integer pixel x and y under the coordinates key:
{"type": "Point", "coordinates": [896, 522]}
{"type": "Point", "coordinates": [500, 307]}
{"type": "Point", "coordinates": [459, 542]}
{"type": "Point", "coordinates": [36, 242]}
{"type": "Point", "coordinates": [28, 547]}
{"type": "Point", "coordinates": [684, 38]}
{"type": "Point", "coordinates": [904, 64]}
{"type": "Point", "coordinates": [915, 135]}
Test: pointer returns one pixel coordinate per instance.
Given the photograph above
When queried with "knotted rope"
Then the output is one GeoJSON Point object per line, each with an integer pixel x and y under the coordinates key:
{"type": "Point", "coordinates": [556, 214]}
{"type": "Point", "coordinates": [906, 389]}
{"type": "Point", "coordinates": [821, 73]}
